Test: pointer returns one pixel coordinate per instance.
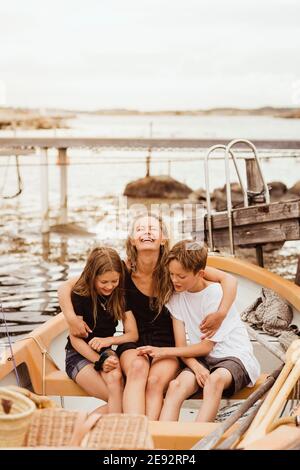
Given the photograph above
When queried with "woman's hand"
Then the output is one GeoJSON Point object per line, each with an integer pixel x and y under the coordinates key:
{"type": "Point", "coordinates": [201, 374]}
{"type": "Point", "coordinates": [151, 351]}
{"type": "Point", "coordinates": [79, 328]}
{"type": "Point", "coordinates": [211, 324]}
{"type": "Point", "coordinates": [99, 343]}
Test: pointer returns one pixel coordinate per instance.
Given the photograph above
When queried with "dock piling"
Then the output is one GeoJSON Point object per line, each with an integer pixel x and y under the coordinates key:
{"type": "Point", "coordinates": [44, 190]}
{"type": "Point", "coordinates": [63, 166]}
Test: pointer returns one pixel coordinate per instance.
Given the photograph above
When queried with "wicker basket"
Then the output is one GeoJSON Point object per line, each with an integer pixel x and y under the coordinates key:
{"type": "Point", "coordinates": [13, 426]}
{"type": "Point", "coordinates": [55, 428]}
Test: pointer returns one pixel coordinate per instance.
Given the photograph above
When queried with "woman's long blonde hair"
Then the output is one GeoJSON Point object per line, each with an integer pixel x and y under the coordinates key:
{"type": "Point", "coordinates": [161, 282]}
{"type": "Point", "coordinates": [102, 260]}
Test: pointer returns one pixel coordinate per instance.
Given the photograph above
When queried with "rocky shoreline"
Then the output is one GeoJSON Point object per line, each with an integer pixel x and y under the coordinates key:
{"type": "Point", "coordinates": [33, 119]}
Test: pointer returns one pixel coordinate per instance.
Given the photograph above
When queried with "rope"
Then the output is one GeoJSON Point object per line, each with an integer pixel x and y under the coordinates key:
{"type": "Point", "coordinates": [45, 353]}
{"type": "Point", "coordinates": [10, 346]}
{"type": "Point", "coordinates": [19, 180]}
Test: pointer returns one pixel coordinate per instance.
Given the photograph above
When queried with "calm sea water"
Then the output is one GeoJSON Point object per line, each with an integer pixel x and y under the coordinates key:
{"type": "Point", "coordinates": [32, 266]}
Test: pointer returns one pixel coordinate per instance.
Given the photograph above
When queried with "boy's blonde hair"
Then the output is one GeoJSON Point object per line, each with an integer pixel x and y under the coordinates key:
{"type": "Point", "coordinates": [191, 255]}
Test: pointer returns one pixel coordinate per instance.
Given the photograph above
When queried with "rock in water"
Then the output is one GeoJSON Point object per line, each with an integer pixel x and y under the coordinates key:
{"type": "Point", "coordinates": [157, 187]}
{"type": "Point", "coordinates": [295, 189]}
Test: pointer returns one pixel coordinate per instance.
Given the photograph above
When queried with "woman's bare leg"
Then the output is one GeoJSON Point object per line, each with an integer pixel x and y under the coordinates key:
{"type": "Point", "coordinates": [179, 390]}
{"type": "Point", "coordinates": [115, 386]}
{"type": "Point", "coordinates": [136, 369]}
{"type": "Point", "coordinates": [162, 371]}
{"type": "Point", "coordinates": [218, 381]}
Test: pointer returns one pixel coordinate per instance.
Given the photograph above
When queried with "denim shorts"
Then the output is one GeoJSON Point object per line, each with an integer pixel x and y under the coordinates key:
{"type": "Point", "coordinates": [75, 362]}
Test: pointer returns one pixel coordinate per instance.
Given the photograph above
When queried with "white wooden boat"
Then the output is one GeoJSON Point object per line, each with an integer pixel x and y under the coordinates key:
{"type": "Point", "coordinates": [40, 357]}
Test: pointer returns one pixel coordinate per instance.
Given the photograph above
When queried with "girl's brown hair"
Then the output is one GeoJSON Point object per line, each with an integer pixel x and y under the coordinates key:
{"type": "Point", "coordinates": [102, 260]}
{"type": "Point", "coordinates": [161, 283]}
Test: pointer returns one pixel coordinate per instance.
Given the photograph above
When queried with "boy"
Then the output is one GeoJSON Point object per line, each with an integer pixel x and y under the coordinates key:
{"type": "Point", "coordinates": [224, 362]}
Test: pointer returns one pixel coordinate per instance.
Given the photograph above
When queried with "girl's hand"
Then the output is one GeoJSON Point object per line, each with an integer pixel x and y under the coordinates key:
{"type": "Point", "coordinates": [99, 343]}
{"type": "Point", "coordinates": [201, 374]}
{"type": "Point", "coordinates": [211, 324]}
{"type": "Point", "coordinates": [110, 364]}
{"type": "Point", "coordinates": [151, 351]}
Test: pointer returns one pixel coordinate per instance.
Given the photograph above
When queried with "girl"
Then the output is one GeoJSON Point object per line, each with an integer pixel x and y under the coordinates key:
{"type": "Point", "coordinates": [98, 298]}
{"type": "Point", "coordinates": [147, 288]}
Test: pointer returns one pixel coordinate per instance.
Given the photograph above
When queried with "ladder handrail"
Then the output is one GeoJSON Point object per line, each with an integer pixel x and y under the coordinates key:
{"type": "Point", "coordinates": [228, 193]}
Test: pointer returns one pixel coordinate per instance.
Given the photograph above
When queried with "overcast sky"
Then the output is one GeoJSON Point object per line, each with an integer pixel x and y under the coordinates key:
{"type": "Point", "coordinates": [149, 54]}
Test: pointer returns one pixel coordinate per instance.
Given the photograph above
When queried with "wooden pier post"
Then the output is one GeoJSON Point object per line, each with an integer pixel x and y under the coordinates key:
{"type": "Point", "coordinates": [44, 190]}
{"type": "Point", "coordinates": [255, 189]}
{"type": "Point", "coordinates": [297, 279]}
{"type": "Point", "coordinates": [63, 162]}
{"type": "Point", "coordinates": [255, 184]}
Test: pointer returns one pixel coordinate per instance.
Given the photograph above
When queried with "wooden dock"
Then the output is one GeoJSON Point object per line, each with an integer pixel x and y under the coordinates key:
{"type": "Point", "coordinates": [133, 143]}
{"type": "Point", "coordinates": [252, 226]}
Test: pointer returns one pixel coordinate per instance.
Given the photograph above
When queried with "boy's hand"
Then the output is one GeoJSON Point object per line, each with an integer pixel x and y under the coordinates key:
{"type": "Point", "coordinates": [79, 328]}
{"type": "Point", "coordinates": [99, 343]}
{"type": "Point", "coordinates": [111, 363]}
{"type": "Point", "coordinates": [201, 374]}
{"type": "Point", "coordinates": [211, 324]}
{"type": "Point", "coordinates": [151, 351]}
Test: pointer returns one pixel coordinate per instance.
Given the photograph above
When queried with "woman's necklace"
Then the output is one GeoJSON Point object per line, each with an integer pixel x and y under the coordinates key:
{"type": "Point", "coordinates": [104, 302]}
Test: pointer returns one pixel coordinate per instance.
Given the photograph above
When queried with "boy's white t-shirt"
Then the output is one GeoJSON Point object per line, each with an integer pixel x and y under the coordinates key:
{"type": "Point", "coordinates": [231, 338]}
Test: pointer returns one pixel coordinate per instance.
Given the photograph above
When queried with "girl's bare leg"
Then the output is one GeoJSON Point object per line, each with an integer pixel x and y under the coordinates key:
{"type": "Point", "coordinates": [115, 386]}
{"type": "Point", "coordinates": [179, 390]}
{"type": "Point", "coordinates": [162, 371]}
{"type": "Point", "coordinates": [92, 382]}
{"type": "Point", "coordinates": [218, 381]}
{"type": "Point", "coordinates": [136, 369]}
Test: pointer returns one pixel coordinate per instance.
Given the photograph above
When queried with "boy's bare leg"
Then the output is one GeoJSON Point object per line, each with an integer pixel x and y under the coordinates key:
{"type": "Point", "coordinates": [162, 371]}
{"type": "Point", "coordinates": [136, 369]}
{"type": "Point", "coordinates": [218, 381]}
{"type": "Point", "coordinates": [179, 389]}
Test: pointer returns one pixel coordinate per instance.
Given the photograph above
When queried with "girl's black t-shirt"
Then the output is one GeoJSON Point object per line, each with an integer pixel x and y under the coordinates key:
{"type": "Point", "coordinates": [155, 329]}
{"type": "Point", "coordinates": [105, 323]}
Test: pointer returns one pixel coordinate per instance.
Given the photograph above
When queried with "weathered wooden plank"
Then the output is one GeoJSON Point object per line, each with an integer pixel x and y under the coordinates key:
{"type": "Point", "coordinates": [154, 143]}
{"type": "Point", "coordinates": [258, 234]}
{"type": "Point", "coordinates": [277, 211]}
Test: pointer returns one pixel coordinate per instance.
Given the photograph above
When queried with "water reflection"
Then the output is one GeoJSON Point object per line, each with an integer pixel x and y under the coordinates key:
{"type": "Point", "coordinates": [32, 265]}
{"type": "Point", "coordinates": [28, 292]}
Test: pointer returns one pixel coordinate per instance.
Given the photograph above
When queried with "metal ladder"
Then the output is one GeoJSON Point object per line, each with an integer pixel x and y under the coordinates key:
{"type": "Point", "coordinates": [228, 153]}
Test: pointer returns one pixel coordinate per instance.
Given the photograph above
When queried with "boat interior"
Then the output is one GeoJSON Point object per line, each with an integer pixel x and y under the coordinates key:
{"type": "Point", "coordinates": [40, 357]}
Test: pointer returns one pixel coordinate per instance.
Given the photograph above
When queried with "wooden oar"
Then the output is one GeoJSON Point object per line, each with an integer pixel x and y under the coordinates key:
{"type": "Point", "coordinates": [277, 405]}
{"type": "Point", "coordinates": [235, 436]}
{"type": "Point", "coordinates": [295, 346]}
{"type": "Point", "coordinates": [209, 441]}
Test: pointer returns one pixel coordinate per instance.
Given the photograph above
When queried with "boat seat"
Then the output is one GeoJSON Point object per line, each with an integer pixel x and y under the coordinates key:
{"type": "Point", "coordinates": [59, 384]}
